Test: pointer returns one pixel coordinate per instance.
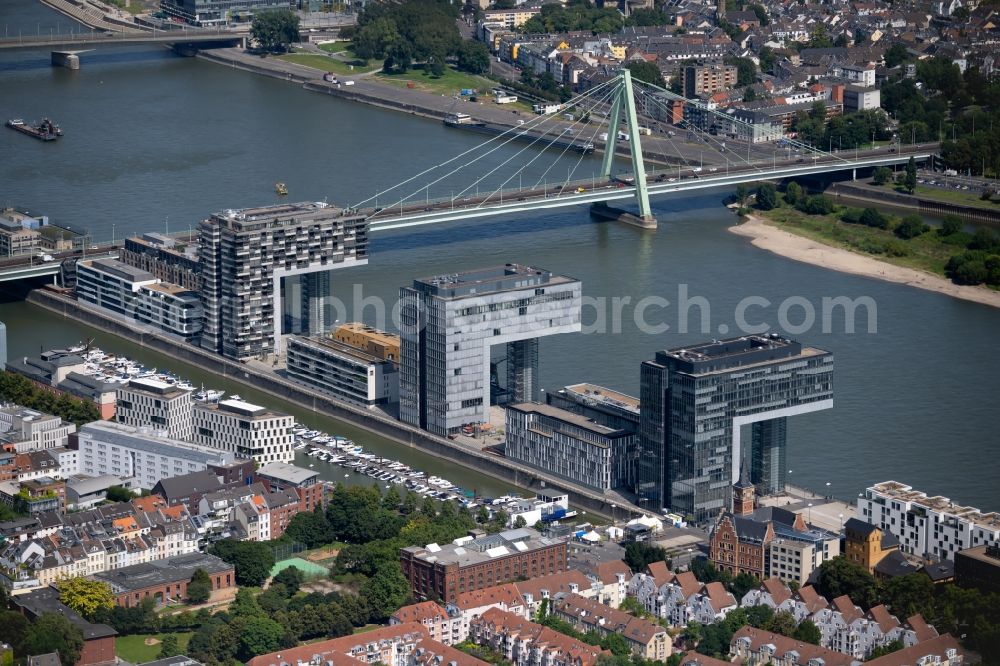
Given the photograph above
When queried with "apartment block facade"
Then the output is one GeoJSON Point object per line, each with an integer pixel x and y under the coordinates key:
{"type": "Point", "coordinates": [245, 430]}
{"type": "Point", "coordinates": [150, 403]}
{"type": "Point", "coordinates": [694, 402]}
{"type": "Point", "coordinates": [265, 272]}
{"type": "Point", "coordinates": [124, 451]}
{"type": "Point", "coordinates": [342, 370]}
{"type": "Point", "coordinates": [449, 324]}
{"type": "Point", "coordinates": [24, 430]}
{"type": "Point", "coordinates": [569, 446]}
{"type": "Point", "coordinates": [932, 527]}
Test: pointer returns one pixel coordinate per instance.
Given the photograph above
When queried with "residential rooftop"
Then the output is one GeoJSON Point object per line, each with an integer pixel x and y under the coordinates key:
{"type": "Point", "coordinates": [156, 387]}
{"type": "Point", "coordinates": [581, 422]}
{"type": "Point", "coordinates": [468, 550]}
{"type": "Point", "coordinates": [495, 279]}
{"type": "Point", "coordinates": [603, 396]}
{"type": "Point", "coordinates": [144, 439]}
{"type": "Point", "coordinates": [285, 472]}
{"type": "Point", "coordinates": [161, 572]}
{"type": "Point", "coordinates": [736, 353]}
{"type": "Point", "coordinates": [905, 493]}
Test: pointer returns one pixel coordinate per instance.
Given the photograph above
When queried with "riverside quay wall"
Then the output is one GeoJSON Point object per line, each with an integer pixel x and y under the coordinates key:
{"type": "Point", "coordinates": [406, 435]}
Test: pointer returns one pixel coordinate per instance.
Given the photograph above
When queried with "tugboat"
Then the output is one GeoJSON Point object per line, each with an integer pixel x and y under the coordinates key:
{"type": "Point", "coordinates": [43, 131]}
{"type": "Point", "coordinates": [280, 189]}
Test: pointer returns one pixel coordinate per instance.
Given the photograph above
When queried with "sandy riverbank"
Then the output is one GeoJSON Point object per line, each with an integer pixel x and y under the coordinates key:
{"type": "Point", "coordinates": [807, 250]}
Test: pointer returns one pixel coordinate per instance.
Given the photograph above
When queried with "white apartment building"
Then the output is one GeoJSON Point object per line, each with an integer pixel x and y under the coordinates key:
{"type": "Point", "coordinates": [245, 430]}
{"type": "Point", "coordinates": [124, 451]}
{"type": "Point", "coordinates": [796, 559]}
{"type": "Point", "coordinates": [933, 527]}
{"type": "Point", "coordinates": [342, 370]}
{"type": "Point", "coordinates": [137, 294]}
{"type": "Point", "coordinates": [150, 403]}
{"type": "Point", "coordinates": [29, 430]}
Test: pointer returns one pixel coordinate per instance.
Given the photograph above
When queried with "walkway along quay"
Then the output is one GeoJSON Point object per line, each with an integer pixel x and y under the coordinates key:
{"type": "Point", "coordinates": [263, 379]}
{"type": "Point", "coordinates": [883, 196]}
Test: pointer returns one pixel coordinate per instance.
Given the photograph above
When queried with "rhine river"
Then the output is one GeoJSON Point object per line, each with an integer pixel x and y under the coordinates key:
{"type": "Point", "coordinates": [154, 141]}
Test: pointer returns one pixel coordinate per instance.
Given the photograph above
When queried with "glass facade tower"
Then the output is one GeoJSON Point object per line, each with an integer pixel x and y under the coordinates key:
{"type": "Point", "coordinates": [694, 402]}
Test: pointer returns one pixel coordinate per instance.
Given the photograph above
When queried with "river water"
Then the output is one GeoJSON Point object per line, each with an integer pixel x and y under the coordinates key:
{"type": "Point", "coordinates": [154, 142]}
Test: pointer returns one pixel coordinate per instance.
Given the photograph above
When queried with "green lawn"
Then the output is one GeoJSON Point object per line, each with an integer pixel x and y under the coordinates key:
{"type": "Point", "coordinates": [964, 197]}
{"type": "Point", "coordinates": [449, 83]}
{"type": "Point", "coordinates": [323, 63]}
{"type": "Point", "coordinates": [927, 252]}
{"type": "Point", "coordinates": [134, 649]}
{"type": "Point", "coordinates": [336, 47]}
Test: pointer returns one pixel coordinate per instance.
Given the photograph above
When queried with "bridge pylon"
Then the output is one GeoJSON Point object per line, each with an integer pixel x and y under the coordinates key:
{"type": "Point", "coordinates": [624, 102]}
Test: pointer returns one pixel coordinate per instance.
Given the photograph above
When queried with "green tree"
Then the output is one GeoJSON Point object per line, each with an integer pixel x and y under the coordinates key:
{"type": "Point", "coordinates": [742, 192]}
{"type": "Point", "coordinates": [746, 70]}
{"type": "Point", "coordinates": [617, 645]}
{"type": "Point", "coordinates": [767, 59]}
{"type": "Point", "coordinates": [639, 555]}
{"type": "Point", "coordinates": [839, 576]}
{"type": "Point", "coordinates": [86, 596]}
{"type": "Point", "coordinates": [896, 55]}
{"type": "Point", "coordinates": [291, 577]}
{"type": "Point", "coordinates": [258, 635]}
{"type": "Point", "coordinates": [311, 528]}
{"type": "Point", "coordinates": [909, 595]}
{"type": "Point", "coordinates": [386, 591]}
{"type": "Point", "coordinates": [873, 218]}
{"type": "Point", "coordinates": [372, 41]}
{"type": "Point", "coordinates": [744, 582]}
{"type": "Point", "coordinates": [274, 30]}
{"type": "Point", "coordinates": [52, 632]}
{"type": "Point", "coordinates": [119, 494]}
{"type": "Point", "coordinates": [761, 13]}
{"type": "Point", "coordinates": [910, 179]}
{"type": "Point", "coordinates": [200, 588]}
{"type": "Point", "coordinates": [881, 176]}
{"type": "Point", "coordinates": [782, 623]}
{"type": "Point", "coordinates": [251, 559]}
{"type": "Point", "coordinates": [13, 627]}
{"type": "Point", "coordinates": [767, 196]}
{"type": "Point", "coordinates": [888, 648]}
{"type": "Point", "coordinates": [950, 225]}
{"type": "Point", "coordinates": [473, 57]}
{"type": "Point", "coordinates": [648, 72]}
{"type": "Point", "coordinates": [808, 632]}
{"type": "Point", "coordinates": [520, 522]}
{"type": "Point", "coordinates": [793, 192]}
{"type": "Point", "coordinates": [169, 647]}
{"type": "Point", "coordinates": [910, 227]}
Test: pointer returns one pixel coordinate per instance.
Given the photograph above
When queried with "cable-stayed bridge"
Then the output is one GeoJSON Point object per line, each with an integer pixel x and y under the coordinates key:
{"type": "Point", "coordinates": [516, 170]}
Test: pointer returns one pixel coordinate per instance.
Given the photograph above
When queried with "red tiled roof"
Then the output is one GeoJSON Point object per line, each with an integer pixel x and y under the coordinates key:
{"type": "Point", "coordinates": [688, 583]}
{"type": "Point", "coordinates": [777, 589]}
{"type": "Point", "coordinates": [936, 647]}
{"type": "Point", "coordinates": [425, 610]}
{"type": "Point", "coordinates": [608, 571]}
{"type": "Point", "coordinates": [660, 573]}
{"type": "Point", "coordinates": [514, 625]}
{"type": "Point", "coordinates": [783, 645]}
{"type": "Point", "coordinates": [924, 631]}
{"type": "Point", "coordinates": [883, 618]}
{"type": "Point", "coordinates": [498, 594]}
{"type": "Point", "coordinates": [554, 584]}
{"type": "Point", "coordinates": [811, 598]}
{"type": "Point", "coordinates": [338, 650]}
{"type": "Point", "coordinates": [718, 596]}
{"type": "Point", "coordinates": [846, 608]}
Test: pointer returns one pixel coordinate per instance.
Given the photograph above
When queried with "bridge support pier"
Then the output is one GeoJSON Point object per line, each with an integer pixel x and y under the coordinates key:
{"type": "Point", "coordinates": [67, 59]}
{"type": "Point", "coordinates": [624, 102]}
{"type": "Point", "coordinates": [854, 174]}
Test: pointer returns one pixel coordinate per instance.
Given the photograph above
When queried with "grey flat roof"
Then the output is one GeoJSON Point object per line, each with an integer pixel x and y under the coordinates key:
{"type": "Point", "coordinates": [92, 484]}
{"type": "Point", "coordinates": [581, 422]}
{"type": "Point", "coordinates": [335, 347]}
{"type": "Point", "coordinates": [735, 353]}
{"type": "Point", "coordinates": [286, 472]}
{"type": "Point", "coordinates": [122, 270]}
{"type": "Point", "coordinates": [134, 438]}
{"type": "Point", "coordinates": [161, 572]}
{"type": "Point", "coordinates": [509, 277]}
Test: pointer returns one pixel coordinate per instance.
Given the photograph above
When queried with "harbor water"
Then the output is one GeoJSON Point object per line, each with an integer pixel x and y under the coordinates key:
{"type": "Point", "coordinates": [156, 142]}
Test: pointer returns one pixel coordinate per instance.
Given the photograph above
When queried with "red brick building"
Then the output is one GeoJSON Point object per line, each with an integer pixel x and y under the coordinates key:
{"type": "Point", "coordinates": [470, 563]}
{"type": "Point", "coordinates": [304, 482]}
{"type": "Point", "coordinates": [98, 639]}
{"type": "Point", "coordinates": [167, 579]}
